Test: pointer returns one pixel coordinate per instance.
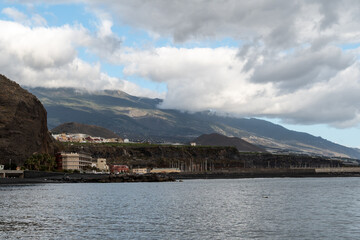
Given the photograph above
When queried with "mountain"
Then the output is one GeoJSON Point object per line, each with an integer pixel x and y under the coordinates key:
{"type": "Point", "coordinates": [92, 130]}
{"type": "Point", "coordinates": [215, 139]}
{"type": "Point", "coordinates": [140, 119]}
{"type": "Point", "coordinates": [23, 124]}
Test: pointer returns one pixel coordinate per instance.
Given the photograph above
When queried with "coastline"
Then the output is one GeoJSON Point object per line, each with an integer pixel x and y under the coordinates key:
{"type": "Point", "coordinates": [188, 176]}
{"type": "Point", "coordinates": [86, 178]}
{"type": "Point", "coordinates": [33, 177]}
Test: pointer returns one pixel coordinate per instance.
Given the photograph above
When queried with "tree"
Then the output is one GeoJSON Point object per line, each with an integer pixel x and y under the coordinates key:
{"type": "Point", "coordinates": [43, 162]}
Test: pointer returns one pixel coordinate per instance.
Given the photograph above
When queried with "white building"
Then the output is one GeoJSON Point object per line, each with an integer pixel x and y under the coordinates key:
{"type": "Point", "coordinates": [73, 161]}
{"type": "Point", "coordinates": [101, 165]}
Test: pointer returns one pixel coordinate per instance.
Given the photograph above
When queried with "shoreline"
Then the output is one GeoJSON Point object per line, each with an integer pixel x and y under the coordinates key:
{"type": "Point", "coordinates": [260, 175]}
{"type": "Point", "coordinates": [108, 178]}
{"type": "Point", "coordinates": [87, 178]}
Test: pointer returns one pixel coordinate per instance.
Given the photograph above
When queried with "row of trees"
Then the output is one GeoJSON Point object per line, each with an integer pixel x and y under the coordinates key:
{"type": "Point", "coordinates": [40, 162]}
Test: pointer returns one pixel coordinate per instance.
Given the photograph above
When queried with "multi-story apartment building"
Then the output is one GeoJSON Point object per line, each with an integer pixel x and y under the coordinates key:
{"type": "Point", "coordinates": [73, 161]}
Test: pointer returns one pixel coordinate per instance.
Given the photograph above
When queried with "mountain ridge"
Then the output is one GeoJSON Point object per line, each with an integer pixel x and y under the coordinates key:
{"type": "Point", "coordinates": [140, 119]}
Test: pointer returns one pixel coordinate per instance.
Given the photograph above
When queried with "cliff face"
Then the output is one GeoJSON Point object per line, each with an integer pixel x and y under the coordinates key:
{"type": "Point", "coordinates": [23, 124]}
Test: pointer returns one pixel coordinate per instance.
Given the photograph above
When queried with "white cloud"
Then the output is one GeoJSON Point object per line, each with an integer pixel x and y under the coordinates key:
{"type": "Point", "coordinates": [47, 57]}
{"type": "Point", "coordinates": [15, 14]}
{"type": "Point", "coordinates": [277, 23]}
{"type": "Point", "coordinates": [300, 68]}
{"type": "Point", "coordinates": [22, 18]}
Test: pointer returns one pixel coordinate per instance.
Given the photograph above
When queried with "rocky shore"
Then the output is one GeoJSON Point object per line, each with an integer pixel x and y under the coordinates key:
{"type": "Point", "coordinates": [87, 178]}
{"type": "Point", "coordinates": [105, 178]}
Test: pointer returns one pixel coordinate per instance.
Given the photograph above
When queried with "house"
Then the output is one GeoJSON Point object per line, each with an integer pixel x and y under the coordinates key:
{"type": "Point", "coordinates": [116, 169]}
{"type": "Point", "coordinates": [73, 161]}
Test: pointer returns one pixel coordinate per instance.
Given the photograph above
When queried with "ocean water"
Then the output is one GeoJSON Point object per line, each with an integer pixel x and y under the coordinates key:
{"type": "Point", "coordinates": [277, 208]}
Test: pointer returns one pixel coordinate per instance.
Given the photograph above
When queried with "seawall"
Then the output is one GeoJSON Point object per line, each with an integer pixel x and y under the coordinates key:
{"type": "Point", "coordinates": [271, 173]}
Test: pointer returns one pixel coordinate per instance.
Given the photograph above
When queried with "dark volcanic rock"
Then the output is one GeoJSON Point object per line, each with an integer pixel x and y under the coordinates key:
{"type": "Point", "coordinates": [216, 139]}
{"type": "Point", "coordinates": [23, 124]}
{"type": "Point", "coordinates": [92, 130]}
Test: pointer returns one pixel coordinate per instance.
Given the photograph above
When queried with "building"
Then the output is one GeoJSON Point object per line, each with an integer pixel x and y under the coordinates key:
{"type": "Point", "coordinates": [73, 161]}
{"type": "Point", "coordinates": [83, 138]}
{"type": "Point", "coordinates": [116, 169]}
{"type": "Point", "coordinates": [165, 170]}
{"type": "Point", "coordinates": [193, 144]}
{"type": "Point", "coordinates": [140, 170]}
{"type": "Point", "coordinates": [101, 165]}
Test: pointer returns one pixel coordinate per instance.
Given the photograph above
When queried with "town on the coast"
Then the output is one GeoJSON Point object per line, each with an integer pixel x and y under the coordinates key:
{"type": "Point", "coordinates": [81, 161]}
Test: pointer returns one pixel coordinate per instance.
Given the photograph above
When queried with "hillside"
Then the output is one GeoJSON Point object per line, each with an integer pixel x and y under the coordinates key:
{"type": "Point", "coordinates": [92, 130]}
{"type": "Point", "coordinates": [140, 119]}
{"type": "Point", "coordinates": [216, 139]}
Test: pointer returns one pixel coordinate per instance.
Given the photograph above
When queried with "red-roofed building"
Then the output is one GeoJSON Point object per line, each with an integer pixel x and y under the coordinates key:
{"type": "Point", "coordinates": [119, 169]}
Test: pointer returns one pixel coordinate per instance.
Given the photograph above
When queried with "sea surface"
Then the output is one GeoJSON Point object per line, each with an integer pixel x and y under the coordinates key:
{"type": "Point", "coordinates": [276, 208]}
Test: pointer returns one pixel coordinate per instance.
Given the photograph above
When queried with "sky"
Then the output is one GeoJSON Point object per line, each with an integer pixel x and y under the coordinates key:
{"type": "Point", "coordinates": [295, 63]}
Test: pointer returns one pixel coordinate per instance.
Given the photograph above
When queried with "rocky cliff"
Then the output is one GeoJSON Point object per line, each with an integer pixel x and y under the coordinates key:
{"type": "Point", "coordinates": [23, 124]}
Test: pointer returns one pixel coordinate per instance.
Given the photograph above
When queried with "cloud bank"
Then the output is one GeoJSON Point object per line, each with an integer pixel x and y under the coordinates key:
{"type": "Point", "coordinates": [291, 63]}
{"type": "Point", "coordinates": [204, 78]}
